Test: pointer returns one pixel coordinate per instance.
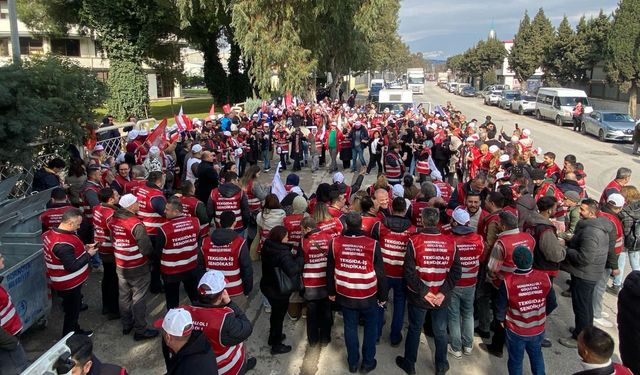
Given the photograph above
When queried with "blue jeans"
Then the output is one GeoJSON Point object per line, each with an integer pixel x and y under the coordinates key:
{"type": "Point", "coordinates": [412, 342]}
{"type": "Point", "coordinates": [265, 158]}
{"type": "Point", "coordinates": [412, 166]}
{"type": "Point", "coordinates": [461, 317]}
{"type": "Point", "coordinates": [634, 261]}
{"type": "Point", "coordinates": [516, 345]}
{"type": "Point", "coordinates": [398, 285]}
{"type": "Point", "coordinates": [357, 151]}
{"type": "Point", "coordinates": [351, 318]}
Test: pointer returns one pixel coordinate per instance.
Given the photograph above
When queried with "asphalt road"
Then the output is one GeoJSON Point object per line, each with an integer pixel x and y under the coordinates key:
{"type": "Point", "coordinates": [600, 159]}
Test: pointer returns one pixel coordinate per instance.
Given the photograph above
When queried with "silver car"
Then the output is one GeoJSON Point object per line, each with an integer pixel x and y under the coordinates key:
{"type": "Point", "coordinates": [508, 97]}
{"type": "Point", "coordinates": [526, 104]}
{"type": "Point", "coordinates": [493, 97]}
{"type": "Point", "coordinates": [608, 126]}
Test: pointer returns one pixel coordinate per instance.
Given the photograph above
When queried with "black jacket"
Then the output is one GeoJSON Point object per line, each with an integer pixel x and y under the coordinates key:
{"type": "Point", "coordinates": [207, 180]}
{"type": "Point", "coordinates": [224, 236]}
{"type": "Point", "coordinates": [195, 358]}
{"type": "Point", "coordinates": [628, 322]}
{"type": "Point", "coordinates": [99, 368]}
{"type": "Point", "coordinates": [43, 180]}
{"type": "Point", "coordinates": [364, 136]}
{"type": "Point", "coordinates": [569, 185]}
{"type": "Point", "coordinates": [588, 249]}
{"type": "Point", "coordinates": [277, 254]}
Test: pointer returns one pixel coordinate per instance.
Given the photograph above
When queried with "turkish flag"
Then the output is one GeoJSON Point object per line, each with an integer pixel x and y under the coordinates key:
{"type": "Point", "coordinates": [226, 108]}
{"type": "Point", "coordinates": [157, 137]}
{"type": "Point", "coordinates": [183, 121]}
{"type": "Point", "coordinates": [288, 99]}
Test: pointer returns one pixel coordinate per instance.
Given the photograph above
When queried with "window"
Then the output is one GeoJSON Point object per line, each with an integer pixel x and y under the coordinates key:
{"type": "Point", "coordinates": [4, 10]}
{"type": "Point", "coordinates": [31, 46]}
{"type": "Point", "coordinates": [66, 47]}
{"type": "Point", "coordinates": [4, 47]}
{"type": "Point", "coordinates": [102, 76]}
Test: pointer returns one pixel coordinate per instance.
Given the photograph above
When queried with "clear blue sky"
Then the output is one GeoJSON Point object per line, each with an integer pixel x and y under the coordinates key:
{"type": "Point", "coordinates": [440, 29]}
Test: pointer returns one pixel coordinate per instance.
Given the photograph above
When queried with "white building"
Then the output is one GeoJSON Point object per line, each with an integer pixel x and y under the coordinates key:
{"type": "Point", "coordinates": [82, 49]}
{"type": "Point", "coordinates": [506, 76]}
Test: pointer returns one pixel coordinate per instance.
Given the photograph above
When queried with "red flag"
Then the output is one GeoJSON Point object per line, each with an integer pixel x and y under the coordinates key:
{"type": "Point", "coordinates": [288, 99]}
{"type": "Point", "coordinates": [212, 112]}
{"type": "Point", "coordinates": [183, 121]}
{"type": "Point", "coordinates": [157, 137]}
{"type": "Point", "coordinates": [263, 107]}
{"type": "Point", "coordinates": [226, 108]}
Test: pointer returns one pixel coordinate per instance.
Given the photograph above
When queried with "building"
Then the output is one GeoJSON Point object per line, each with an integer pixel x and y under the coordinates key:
{"type": "Point", "coordinates": [81, 49]}
{"type": "Point", "coordinates": [507, 77]}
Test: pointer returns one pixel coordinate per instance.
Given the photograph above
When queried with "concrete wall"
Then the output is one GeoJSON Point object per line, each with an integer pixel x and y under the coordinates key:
{"type": "Point", "coordinates": [609, 105]}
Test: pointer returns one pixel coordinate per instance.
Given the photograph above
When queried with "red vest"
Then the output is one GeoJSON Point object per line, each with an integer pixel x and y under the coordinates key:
{"type": "Point", "coordinates": [509, 242]}
{"type": "Point", "coordinates": [84, 205]}
{"type": "Point", "coordinates": [121, 182]}
{"type": "Point", "coordinates": [210, 320]}
{"type": "Point", "coordinates": [434, 254]}
{"type": "Point", "coordinates": [355, 276]}
{"type": "Point", "coordinates": [619, 232]}
{"type": "Point", "coordinates": [180, 251]}
{"type": "Point", "coordinates": [527, 301]}
{"type": "Point", "coordinates": [226, 259]}
{"type": "Point", "coordinates": [52, 217]}
{"type": "Point", "coordinates": [484, 226]}
{"type": "Point", "coordinates": [393, 246]}
{"type": "Point", "coordinates": [254, 203]}
{"type": "Point", "coordinates": [222, 204]}
{"type": "Point", "coordinates": [611, 185]}
{"type": "Point", "coordinates": [445, 189]}
{"type": "Point", "coordinates": [315, 247]}
{"type": "Point", "coordinates": [393, 173]}
{"type": "Point", "coordinates": [334, 212]}
{"type": "Point", "coordinates": [282, 141]}
{"type": "Point", "coordinates": [133, 186]}
{"type": "Point", "coordinates": [422, 164]}
{"type": "Point", "coordinates": [150, 218]}
{"type": "Point", "coordinates": [9, 318]}
{"type": "Point", "coordinates": [189, 207]}
{"type": "Point", "coordinates": [101, 216]}
{"type": "Point", "coordinates": [332, 227]}
{"type": "Point", "coordinates": [461, 194]}
{"type": "Point", "coordinates": [367, 224]}
{"type": "Point", "coordinates": [125, 247]}
{"type": "Point", "coordinates": [470, 248]}
{"type": "Point", "coordinates": [294, 231]}
{"type": "Point", "coordinates": [416, 212]}
{"type": "Point", "coordinates": [62, 279]}
{"type": "Point", "coordinates": [620, 369]}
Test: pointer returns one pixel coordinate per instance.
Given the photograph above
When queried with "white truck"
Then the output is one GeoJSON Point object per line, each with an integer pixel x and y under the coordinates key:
{"type": "Point", "coordinates": [415, 80]}
{"type": "Point", "coordinates": [396, 100]}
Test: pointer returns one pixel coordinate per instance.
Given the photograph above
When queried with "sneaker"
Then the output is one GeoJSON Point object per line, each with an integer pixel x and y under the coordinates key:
{"type": "Point", "coordinates": [603, 322]}
{"type": "Point", "coordinates": [568, 342]}
{"type": "Point", "coordinates": [267, 170]}
{"type": "Point", "coordinates": [250, 364]}
{"type": "Point", "coordinates": [604, 314]}
{"type": "Point", "coordinates": [267, 309]}
{"type": "Point", "coordinates": [280, 349]}
{"type": "Point", "coordinates": [491, 350]}
{"type": "Point", "coordinates": [86, 332]}
{"type": "Point", "coordinates": [614, 289]}
{"type": "Point", "coordinates": [456, 353]}
{"type": "Point", "coordinates": [402, 364]}
{"type": "Point", "coordinates": [147, 334]}
{"type": "Point", "coordinates": [546, 343]}
{"type": "Point", "coordinates": [467, 351]}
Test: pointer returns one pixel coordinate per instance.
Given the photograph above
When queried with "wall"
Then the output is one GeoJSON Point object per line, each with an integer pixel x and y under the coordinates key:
{"type": "Point", "coordinates": [609, 105]}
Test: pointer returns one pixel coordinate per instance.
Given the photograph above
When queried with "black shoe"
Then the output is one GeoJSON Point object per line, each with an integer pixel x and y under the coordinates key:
{"type": "Point", "coordinates": [491, 350]}
{"type": "Point", "coordinates": [353, 369]}
{"type": "Point", "coordinates": [325, 342]}
{"type": "Point", "coordinates": [280, 349]}
{"type": "Point", "coordinates": [126, 331]}
{"type": "Point", "coordinates": [482, 334]}
{"type": "Point", "coordinates": [395, 344]}
{"type": "Point", "coordinates": [147, 334]}
{"type": "Point", "coordinates": [546, 343]}
{"type": "Point", "coordinates": [88, 333]}
{"type": "Point", "coordinates": [113, 316]}
{"type": "Point", "coordinates": [270, 342]}
{"type": "Point", "coordinates": [250, 364]}
{"type": "Point", "coordinates": [403, 365]}
{"type": "Point", "coordinates": [442, 371]}
{"type": "Point", "coordinates": [371, 368]}
{"type": "Point", "coordinates": [84, 307]}
{"type": "Point", "coordinates": [157, 289]}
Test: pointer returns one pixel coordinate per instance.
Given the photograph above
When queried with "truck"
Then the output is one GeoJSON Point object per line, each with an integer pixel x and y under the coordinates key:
{"type": "Point", "coordinates": [415, 80]}
{"type": "Point", "coordinates": [396, 100]}
{"type": "Point", "coordinates": [443, 78]}
{"type": "Point", "coordinates": [374, 89]}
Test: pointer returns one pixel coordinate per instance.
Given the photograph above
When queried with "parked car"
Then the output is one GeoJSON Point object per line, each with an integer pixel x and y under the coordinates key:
{"type": "Point", "coordinates": [453, 86]}
{"type": "Point", "coordinates": [557, 103]}
{"type": "Point", "coordinates": [526, 104]}
{"type": "Point", "coordinates": [374, 90]}
{"type": "Point", "coordinates": [508, 97]}
{"type": "Point", "coordinates": [468, 91]}
{"type": "Point", "coordinates": [460, 87]}
{"type": "Point", "coordinates": [493, 97]}
{"type": "Point", "coordinates": [608, 126]}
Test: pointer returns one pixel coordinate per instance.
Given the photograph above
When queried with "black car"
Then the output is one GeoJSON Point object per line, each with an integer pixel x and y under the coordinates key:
{"type": "Point", "coordinates": [468, 91]}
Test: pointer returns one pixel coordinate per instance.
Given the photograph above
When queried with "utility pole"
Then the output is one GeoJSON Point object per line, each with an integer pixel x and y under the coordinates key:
{"type": "Point", "coordinates": [13, 25]}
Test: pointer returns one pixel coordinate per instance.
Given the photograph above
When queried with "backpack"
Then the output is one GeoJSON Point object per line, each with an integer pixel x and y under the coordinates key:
{"type": "Point", "coordinates": [631, 240]}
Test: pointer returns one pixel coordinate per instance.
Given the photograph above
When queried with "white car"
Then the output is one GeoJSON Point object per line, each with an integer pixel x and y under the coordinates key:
{"type": "Point", "coordinates": [526, 104]}
{"type": "Point", "coordinates": [493, 98]}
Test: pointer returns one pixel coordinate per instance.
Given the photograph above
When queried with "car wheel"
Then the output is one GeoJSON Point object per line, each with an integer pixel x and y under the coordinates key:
{"type": "Point", "coordinates": [558, 121]}
{"type": "Point", "coordinates": [583, 128]}
{"type": "Point", "coordinates": [520, 111]}
{"type": "Point", "coordinates": [601, 135]}
{"type": "Point", "coordinates": [538, 115]}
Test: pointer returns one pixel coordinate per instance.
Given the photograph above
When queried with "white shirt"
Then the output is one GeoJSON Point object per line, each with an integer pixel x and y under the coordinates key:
{"type": "Point", "coordinates": [190, 163]}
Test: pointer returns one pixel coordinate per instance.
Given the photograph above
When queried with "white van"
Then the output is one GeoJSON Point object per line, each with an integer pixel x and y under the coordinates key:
{"type": "Point", "coordinates": [557, 104]}
{"type": "Point", "coordinates": [397, 100]}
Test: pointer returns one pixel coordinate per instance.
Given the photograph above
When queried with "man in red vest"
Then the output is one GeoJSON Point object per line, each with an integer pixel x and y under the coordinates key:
{"type": "Point", "coordinates": [230, 197]}
{"type": "Point", "coordinates": [393, 233]}
{"type": "Point", "coordinates": [469, 248]}
{"type": "Point", "coordinates": [122, 179]}
{"type": "Point", "coordinates": [131, 248]}
{"type": "Point", "coordinates": [67, 260]}
{"type": "Point", "coordinates": [521, 311]}
{"type": "Point", "coordinates": [477, 185]}
{"type": "Point", "coordinates": [192, 206]}
{"type": "Point", "coordinates": [473, 205]}
{"type": "Point", "coordinates": [369, 215]}
{"type": "Point", "coordinates": [611, 210]}
{"type": "Point", "coordinates": [88, 199]}
{"type": "Point", "coordinates": [431, 270]}
{"type": "Point", "coordinates": [623, 176]}
{"type": "Point", "coordinates": [52, 216]}
{"type": "Point", "coordinates": [550, 168]}
{"type": "Point", "coordinates": [177, 244]}
{"type": "Point", "coordinates": [223, 323]}
{"type": "Point", "coordinates": [227, 251]}
{"type": "Point", "coordinates": [314, 247]}
{"type": "Point", "coordinates": [356, 280]}
{"type": "Point", "coordinates": [12, 356]}
{"type": "Point", "coordinates": [394, 164]}
{"type": "Point", "coordinates": [102, 215]}
{"type": "Point", "coordinates": [595, 347]}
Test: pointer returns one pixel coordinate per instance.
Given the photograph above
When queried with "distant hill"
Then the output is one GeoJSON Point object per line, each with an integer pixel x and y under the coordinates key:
{"type": "Point", "coordinates": [437, 62]}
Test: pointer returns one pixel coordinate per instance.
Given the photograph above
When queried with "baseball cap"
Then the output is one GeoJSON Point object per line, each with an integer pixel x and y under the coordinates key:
{"type": "Point", "coordinates": [493, 148]}
{"type": "Point", "coordinates": [227, 133]}
{"type": "Point", "coordinates": [397, 191]}
{"type": "Point", "coordinates": [338, 177]}
{"type": "Point", "coordinates": [98, 148]}
{"type": "Point", "coordinates": [461, 216]}
{"type": "Point", "coordinates": [500, 175]}
{"type": "Point", "coordinates": [616, 200]}
{"type": "Point", "coordinates": [572, 196]}
{"type": "Point", "coordinates": [211, 283]}
{"type": "Point", "coordinates": [504, 158]}
{"type": "Point", "coordinates": [154, 150]}
{"type": "Point", "coordinates": [143, 132]}
{"type": "Point", "coordinates": [196, 148]}
{"type": "Point", "coordinates": [127, 200]}
{"type": "Point", "coordinates": [133, 134]}
{"type": "Point", "coordinates": [176, 322]}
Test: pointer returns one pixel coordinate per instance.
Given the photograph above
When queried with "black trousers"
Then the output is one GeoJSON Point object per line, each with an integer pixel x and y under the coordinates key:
{"type": "Point", "coordinates": [582, 303]}
{"type": "Point", "coordinates": [156, 284]}
{"type": "Point", "coordinates": [71, 303]}
{"type": "Point", "coordinates": [110, 289]}
{"type": "Point", "coordinates": [172, 283]}
{"type": "Point", "coordinates": [278, 311]}
{"type": "Point", "coordinates": [319, 320]}
{"type": "Point", "coordinates": [373, 160]}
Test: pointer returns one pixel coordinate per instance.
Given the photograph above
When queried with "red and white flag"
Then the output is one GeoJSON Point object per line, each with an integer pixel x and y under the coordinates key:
{"type": "Point", "coordinates": [183, 121]}
{"type": "Point", "coordinates": [157, 137]}
{"type": "Point", "coordinates": [212, 112]}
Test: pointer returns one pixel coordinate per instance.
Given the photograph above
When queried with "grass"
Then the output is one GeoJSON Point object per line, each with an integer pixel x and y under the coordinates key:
{"type": "Point", "coordinates": [195, 92]}
{"type": "Point", "coordinates": [195, 107]}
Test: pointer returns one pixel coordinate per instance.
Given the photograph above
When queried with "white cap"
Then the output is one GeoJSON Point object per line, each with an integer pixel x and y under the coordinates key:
{"type": "Point", "coordinates": [473, 138]}
{"type": "Point", "coordinates": [176, 322]}
{"type": "Point", "coordinates": [338, 177]}
{"type": "Point", "coordinates": [154, 150]}
{"type": "Point", "coordinates": [243, 130]}
{"type": "Point", "coordinates": [195, 119]}
{"type": "Point", "coordinates": [227, 133]}
{"type": "Point", "coordinates": [493, 148]}
{"type": "Point", "coordinates": [616, 200]}
{"type": "Point", "coordinates": [214, 282]}
{"type": "Point", "coordinates": [526, 132]}
{"type": "Point", "coordinates": [133, 134]}
{"type": "Point", "coordinates": [196, 148]}
{"type": "Point", "coordinates": [297, 190]}
{"type": "Point", "coordinates": [127, 200]}
{"type": "Point", "coordinates": [500, 175]}
{"type": "Point", "coordinates": [397, 191]}
{"type": "Point", "coordinates": [514, 139]}
{"type": "Point", "coordinates": [144, 131]}
{"type": "Point", "coordinates": [234, 127]}
{"type": "Point", "coordinates": [461, 216]}
{"type": "Point", "coordinates": [98, 148]}
{"type": "Point", "coordinates": [120, 157]}
{"type": "Point", "coordinates": [504, 158]}
{"type": "Point", "coordinates": [220, 115]}
{"type": "Point", "coordinates": [471, 125]}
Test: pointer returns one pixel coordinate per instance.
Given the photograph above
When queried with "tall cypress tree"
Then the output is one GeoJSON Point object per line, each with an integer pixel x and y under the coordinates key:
{"type": "Point", "coordinates": [542, 35]}
{"type": "Point", "coordinates": [521, 59]}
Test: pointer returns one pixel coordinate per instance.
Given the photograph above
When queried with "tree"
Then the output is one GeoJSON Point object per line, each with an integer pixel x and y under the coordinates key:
{"type": "Point", "coordinates": [542, 35]}
{"type": "Point", "coordinates": [521, 59]}
{"type": "Point", "coordinates": [623, 59]}
{"type": "Point", "coordinates": [491, 54]}
{"type": "Point", "coordinates": [562, 58]}
{"type": "Point", "coordinates": [593, 36]}
{"type": "Point", "coordinates": [454, 63]}
{"type": "Point", "coordinates": [45, 99]}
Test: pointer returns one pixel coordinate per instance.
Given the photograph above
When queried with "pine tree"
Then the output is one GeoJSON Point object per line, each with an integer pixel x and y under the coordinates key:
{"type": "Point", "coordinates": [521, 59]}
{"type": "Point", "coordinates": [561, 61]}
{"type": "Point", "coordinates": [542, 36]}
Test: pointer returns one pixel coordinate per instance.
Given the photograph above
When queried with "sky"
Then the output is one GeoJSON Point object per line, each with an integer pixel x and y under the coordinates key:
{"type": "Point", "coordinates": [440, 29]}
